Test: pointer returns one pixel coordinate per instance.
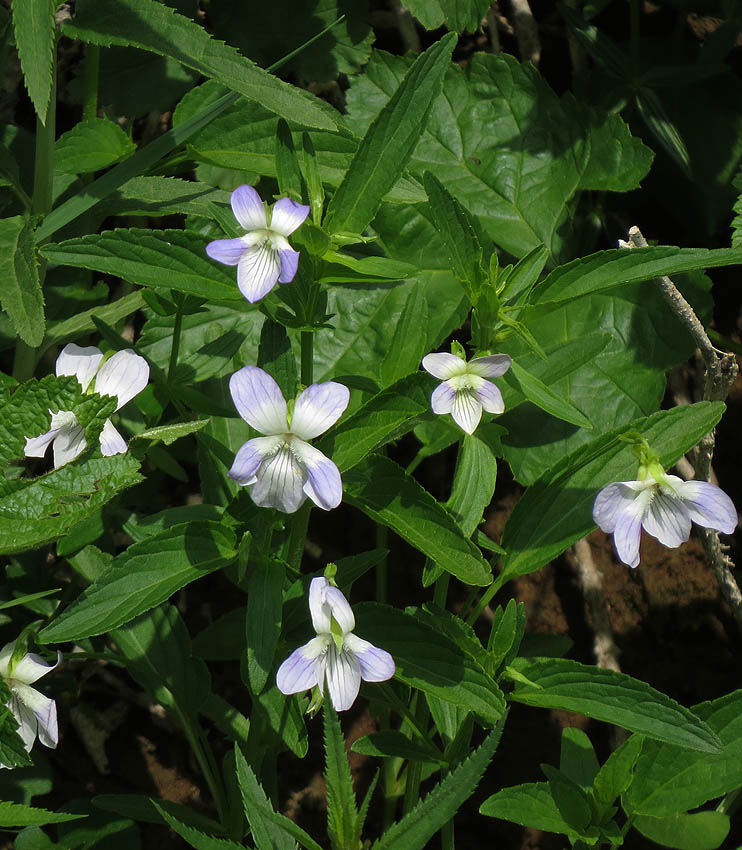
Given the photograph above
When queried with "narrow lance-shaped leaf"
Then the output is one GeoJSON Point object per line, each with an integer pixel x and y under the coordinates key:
{"type": "Point", "coordinates": [34, 30]}
{"type": "Point", "coordinates": [536, 391]}
{"type": "Point", "coordinates": [389, 142]}
{"type": "Point", "coordinates": [263, 621]}
{"type": "Point", "coordinates": [342, 812]}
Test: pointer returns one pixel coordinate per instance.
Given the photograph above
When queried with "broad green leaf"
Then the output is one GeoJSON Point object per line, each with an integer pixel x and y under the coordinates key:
{"type": "Point", "coordinates": [164, 259]}
{"type": "Point", "coordinates": [458, 15]}
{"type": "Point", "coordinates": [20, 294]}
{"type": "Point", "coordinates": [613, 698]}
{"type": "Point", "coordinates": [388, 495]}
{"type": "Point", "coordinates": [14, 814]}
{"type": "Point", "coordinates": [697, 831]}
{"type": "Point", "coordinates": [669, 780]}
{"type": "Point", "coordinates": [90, 146]}
{"type": "Point", "coordinates": [430, 660]}
{"type": "Point", "coordinates": [392, 744]}
{"type": "Point", "coordinates": [406, 337]}
{"type": "Point", "coordinates": [618, 161]}
{"type": "Point", "coordinates": [263, 621]}
{"type": "Point", "coordinates": [577, 757]}
{"type": "Point", "coordinates": [35, 38]}
{"type": "Point", "coordinates": [557, 509]}
{"type": "Point", "coordinates": [159, 196]}
{"type": "Point", "coordinates": [168, 434]}
{"type": "Point", "coordinates": [523, 277]}
{"type": "Point", "coordinates": [619, 266]}
{"type": "Point", "coordinates": [81, 323]}
{"type": "Point", "coordinates": [157, 28]}
{"type": "Point", "coordinates": [389, 142]}
{"type": "Point", "coordinates": [287, 164]}
{"type": "Point", "coordinates": [570, 799]}
{"type": "Point", "coordinates": [343, 268]}
{"type": "Point", "coordinates": [529, 805]}
{"type": "Point", "coordinates": [192, 836]}
{"type": "Point", "coordinates": [271, 830]}
{"type": "Point", "coordinates": [540, 394]}
{"type": "Point", "coordinates": [473, 483]}
{"type": "Point", "coordinates": [142, 577]}
{"type": "Point", "coordinates": [276, 357]}
{"type": "Point", "coordinates": [284, 717]}
{"type": "Point", "coordinates": [51, 505]}
{"type": "Point", "coordinates": [415, 829]}
{"type": "Point", "coordinates": [385, 417]}
{"type": "Point", "coordinates": [617, 773]}
{"type": "Point", "coordinates": [342, 811]}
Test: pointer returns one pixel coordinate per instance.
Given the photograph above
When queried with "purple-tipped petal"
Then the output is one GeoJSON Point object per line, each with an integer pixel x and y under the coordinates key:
{"type": "Point", "coordinates": [490, 398]}
{"type": "Point", "coordinates": [124, 376]}
{"type": "Point", "coordinates": [466, 410]}
{"type": "Point", "coordinates": [248, 209]}
{"type": "Point", "coordinates": [226, 251]}
{"type": "Point", "coordinates": [249, 457]}
{"type": "Point", "coordinates": [709, 506]}
{"type": "Point", "coordinates": [628, 529]}
{"type": "Point", "coordinates": [81, 362]}
{"type": "Point", "coordinates": [111, 442]}
{"type": "Point", "coordinates": [322, 481]}
{"type": "Point", "coordinates": [259, 400]}
{"type": "Point", "coordinates": [443, 365]}
{"type": "Point", "coordinates": [318, 408]}
{"type": "Point", "coordinates": [614, 499]}
{"type": "Point", "coordinates": [69, 443]}
{"type": "Point", "coordinates": [667, 519]}
{"type": "Point", "coordinates": [37, 446]}
{"type": "Point", "coordinates": [257, 271]}
{"type": "Point", "coordinates": [343, 674]}
{"type": "Point", "coordinates": [303, 669]}
{"type": "Point", "coordinates": [442, 398]}
{"type": "Point", "coordinates": [279, 483]}
{"type": "Point", "coordinates": [287, 216]}
{"type": "Point", "coordinates": [491, 366]}
{"type": "Point", "coordinates": [377, 665]}
{"type": "Point", "coordinates": [289, 264]}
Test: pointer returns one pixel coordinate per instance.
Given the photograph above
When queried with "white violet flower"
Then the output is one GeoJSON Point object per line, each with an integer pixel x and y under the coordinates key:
{"type": "Point", "coordinates": [282, 469]}
{"type": "Point", "coordinates": [664, 505]}
{"type": "Point", "coordinates": [263, 255]}
{"type": "Point", "coordinates": [465, 392]}
{"type": "Point", "coordinates": [336, 655]}
{"type": "Point", "coordinates": [122, 376]}
{"type": "Point", "coordinates": [36, 714]}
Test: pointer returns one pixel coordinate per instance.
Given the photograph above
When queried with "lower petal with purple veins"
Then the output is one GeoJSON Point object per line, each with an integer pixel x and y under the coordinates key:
{"type": "Point", "coordinates": [667, 519]}
{"type": "Point", "coordinates": [279, 482]}
{"type": "Point", "coordinates": [70, 443]}
{"type": "Point", "coordinates": [343, 675]}
{"type": "Point", "coordinates": [257, 271]}
{"type": "Point", "coordinates": [467, 410]}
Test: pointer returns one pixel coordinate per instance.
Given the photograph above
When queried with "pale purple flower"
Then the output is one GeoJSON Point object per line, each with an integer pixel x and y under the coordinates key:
{"type": "Point", "coordinates": [465, 392]}
{"type": "Point", "coordinates": [263, 255]}
{"type": "Point", "coordinates": [122, 376]}
{"type": "Point", "coordinates": [336, 656]}
{"type": "Point", "coordinates": [36, 714]}
{"type": "Point", "coordinates": [281, 468]}
{"type": "Point", "coordinates": [665, 509]}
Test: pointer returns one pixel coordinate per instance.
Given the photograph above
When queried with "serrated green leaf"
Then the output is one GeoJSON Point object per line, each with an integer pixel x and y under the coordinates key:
{"type": "Point", "coordinates": [557, 510]}
{"type": "Point", "coordinates": [389, 142]}
{"type": "Point", "coordinates": [142, 577]}
{"type": "Point", "coordinates": [155, 27]}
{"type": "Point", "coordinates": [13, 751]}
{"type": "Point", "coordinates": [170, 433]}
{"type": "Point", "coordinates": [618, 161]}
{"type": "Point", "coordinates": [160, 196]}
{"type": "Point", "coordinates": [15, 814]}
{"type": "Point", "coordinates": [531, 805]}
{"type": "Point", "coordinates": [164, 259]}
{"type": "Point", "coordinates": [90, 146]}
{"type": "Point", "coordinates": [35, 37]}
{"type": "Point", "coordinates": [192, 836]}
{"type": "Point", "coordinates": [263, 621]}
{"type": "Point", "coordinates": [139, 807]}
{"type": "Point", "coordinates": [20, 295]}
{"type": "Point", "coordinates": [387, 494]}
{"type": "Point", "coordinates": [415, 830]}
{"type": "Point", "coordinates": [430, 660]}
{"type": "Point", "coordinates": [342, 811]}
{"type": "Point", "coordinates": [614, 698]}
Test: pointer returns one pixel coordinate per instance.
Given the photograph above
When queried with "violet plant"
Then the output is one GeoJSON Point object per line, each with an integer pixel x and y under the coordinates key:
{"type": "Point", "coordinates": [275, 305]}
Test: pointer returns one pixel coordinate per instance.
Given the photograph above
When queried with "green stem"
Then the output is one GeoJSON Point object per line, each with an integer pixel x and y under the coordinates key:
{"type": "Point", "coordinates": [307, 358]}
{"type": "Point", "coordinates": [486, 598]}
{"type": "Point", "coordinates": [447, 839]}
{"type": "Point", "coordinates": [297, 536]}
{"type": "Point", "coordinates": [175, 346]}
{"type": "Point", "coordinates": [415, 768]}
{"type": "Point", "coordinates": [440, 590]}
{"type": "Point", "coordinates": [90, 83]}
{"type": "Point", "coordinates": [207, 764]}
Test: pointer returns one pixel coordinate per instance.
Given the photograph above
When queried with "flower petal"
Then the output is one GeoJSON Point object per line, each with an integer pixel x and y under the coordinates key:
{"type": "Point", "coordinates": [322, 482]}
{"type": "Point", "coordinates": [490, 397]}
{"type": "Point", "coordinates": [304, 668]}
{"type": "Point", "coordinates": [442, 398]}
{"type": "Point", "coordinates": [259, 400]}
{"type": "Point", "coordinates": [6, 653]}
{"type": "Point", "coordinates": [37, 446]}
{"type": "Point", "coordinates": [226, 251]}
{"type": "Point", "coordinates": [443, 365]}
{"type": "Point", "coordinates": [709, 506]}
{"type": "Point", "coordinates": [491, 366]}
{"type": "Point", "coordinates": [628, 529]}
{"type": "Point", "coordinates": [287, 215]}
{"type": "Point", "coordinates": [44, 712]}
{"type": "Point", "coordinates": [111, 442]}
{"type": "Point", "coordinates": [343, 673]}
{"type": "Point", "coordinates": [249, 457]}
{"type": "Point", "coordinates": [289, 264]}
{"type": "Point", "coordinates": [79, 362]}
{"type": "Point", "coordinates": [467, 410]}
{"type": "Point", "coordinates": [377, 665]}
{"type": "Point", "coordinates": [124, 376]}
{"type": "Point", "coordinates": [70, 443]}
{"type": "Point", "coordinates": [612, 501]}
{"type": "Point", "coordinates": [319, 610]}
{"type": "Point", "coordinates": [27, 722]}
{"type": "Point", "coordinates": [340, 608]}
{"type": "Point", "coordinates": [667, 519]}
{"type": "Point", "coordinates": [318, 408]}
{"type": "Point", "coordinates": [258, 271]}
{"type": "Point", "coordinates": [248, 209]}
{"type": "Point", "coordinates": [32, 667]}
{"type": "Point", "coordinates": [279, 482]}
